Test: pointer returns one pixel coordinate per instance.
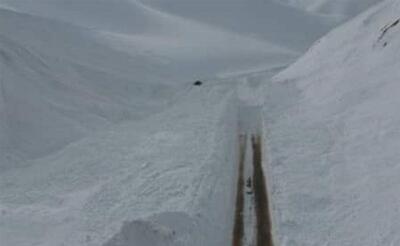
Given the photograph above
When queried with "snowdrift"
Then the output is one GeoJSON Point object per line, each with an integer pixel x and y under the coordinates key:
{"type": "Point", "coordinates": [134, 184]}
{"type": "Point", "coordinates": [334, 144]}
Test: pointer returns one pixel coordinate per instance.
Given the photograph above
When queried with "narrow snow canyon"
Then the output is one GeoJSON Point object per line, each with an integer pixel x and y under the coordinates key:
{"type": "Point", "coordinates": [199, 123]}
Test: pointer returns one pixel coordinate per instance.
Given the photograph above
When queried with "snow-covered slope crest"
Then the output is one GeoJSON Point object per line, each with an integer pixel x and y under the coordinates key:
{"type": "Point", "coordinates": [334, 146]}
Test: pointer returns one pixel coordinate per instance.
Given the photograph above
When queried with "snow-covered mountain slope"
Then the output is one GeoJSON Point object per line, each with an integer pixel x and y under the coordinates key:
{"type": "Point", "coordinates": [58, 84]}
{"type": "Point", "coordinates": [263, 19]}
{"type": "Point", "coordinates": [81, 80]}
{"type": "Point", "coordinates": [125, 16]}
{"type": "Point", "coordinates": [296, 29]}
{"type": "Point", "coordinates": [334, 145]}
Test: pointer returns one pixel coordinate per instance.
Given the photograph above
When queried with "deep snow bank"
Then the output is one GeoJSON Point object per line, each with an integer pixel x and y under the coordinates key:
{"type": "Point", "coordinates": [333, 145]}
{"type": "Point", "coordinates": [164, 179]}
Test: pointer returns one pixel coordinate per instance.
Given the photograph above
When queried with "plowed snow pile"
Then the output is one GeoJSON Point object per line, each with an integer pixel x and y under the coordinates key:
{"type": "Point", "coordinates": [334, 147]}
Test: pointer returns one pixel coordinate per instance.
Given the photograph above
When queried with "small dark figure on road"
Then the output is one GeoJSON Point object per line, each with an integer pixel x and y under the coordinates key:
{"type": "Point", "coordinates": [249, 186]}
{"type": "Point", "coordinates": [198, 83]}
{"type": "Point", "coordinates": [248, 182]}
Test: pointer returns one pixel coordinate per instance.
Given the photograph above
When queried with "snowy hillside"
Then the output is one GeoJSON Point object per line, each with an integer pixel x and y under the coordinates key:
{"type": "Point", "coordinates": [82, 80]}
{"type": "Point", "coordinates": [334, 146]}
{"type": "Point", "coordinates": [339, 9]}
{"type": "Point", "coordinates": [67, 76]}
{"type": "Point", "coordinates": [266, 20]}
{"type": "Point", "coordinates": [257, 18]}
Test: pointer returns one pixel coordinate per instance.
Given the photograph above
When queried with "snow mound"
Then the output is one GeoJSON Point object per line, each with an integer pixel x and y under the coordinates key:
{"type": "Point", "coordinates": [334, 144]}
{"type": "Point", "coordinates": [123, 185]}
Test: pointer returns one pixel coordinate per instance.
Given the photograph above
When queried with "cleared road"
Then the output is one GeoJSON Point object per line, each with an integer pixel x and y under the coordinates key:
{"type": "Point", "coordinates": [252, 220]}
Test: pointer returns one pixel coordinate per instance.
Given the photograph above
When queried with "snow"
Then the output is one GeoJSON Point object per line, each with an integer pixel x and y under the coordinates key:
{"type": "Point", "coordinates": [338, 9]}
{"type": "Point", "coordinates": [52, 82]}
{"type": "Point", "coordinates": [88, 189]}
{"type": "Point", "coordinates": [266, 20]}
{"type": "Point", "coordinates": [104, 140]}
{"type": "Point", "coordinates": [333, 147]}
{"type": "Point", "coordinates": [67, 61]}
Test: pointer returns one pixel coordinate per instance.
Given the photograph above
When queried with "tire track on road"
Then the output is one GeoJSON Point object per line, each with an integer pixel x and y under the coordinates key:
{"type": "Point", "coordinates": [238, 227]}
{"type": "Point", "coordinates": [263, 218]}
